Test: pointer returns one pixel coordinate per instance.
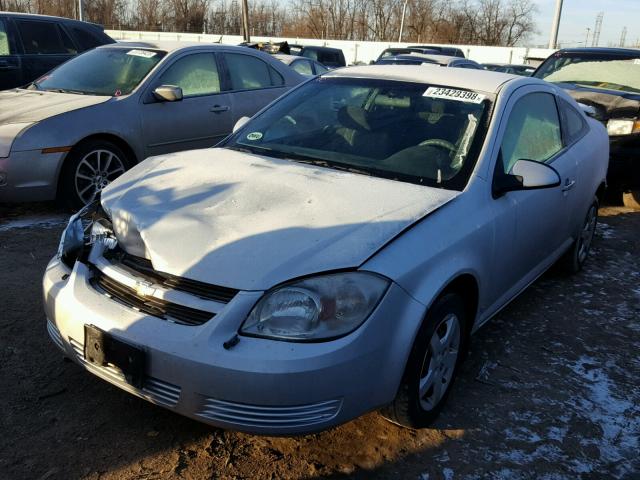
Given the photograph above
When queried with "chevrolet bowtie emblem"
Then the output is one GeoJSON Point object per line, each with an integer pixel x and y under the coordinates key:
{"type": "Point", "coordinates": [144, 289]}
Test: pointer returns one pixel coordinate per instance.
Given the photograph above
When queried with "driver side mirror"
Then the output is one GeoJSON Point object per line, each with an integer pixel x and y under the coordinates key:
{"type": "Point", "coordinates": [525, 175]}
{"type": "Point", "coordinates": [168, 93]}
{"type": "Point", "coordinates": [240, 123]}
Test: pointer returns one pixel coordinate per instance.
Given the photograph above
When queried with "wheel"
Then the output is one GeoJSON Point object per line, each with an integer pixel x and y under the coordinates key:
{"type": "Point", "coordinates": [631, 199]}
{"type": "Point", "coordinates": [90, 167]}
{"type": "Point", "coordinates": [573, 260]}
{"type": "Point", "coordinates": [432, 366]}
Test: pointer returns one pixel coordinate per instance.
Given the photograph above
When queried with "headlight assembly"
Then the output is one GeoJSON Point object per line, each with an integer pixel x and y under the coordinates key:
{"type": "Point", "coordinates": [317, 308]}
{"type": "Point", "coordinates": [623, 127]}
{"type": "Point", "coordinates": [84, 228]}
{"type": "Point", "coordinates": [8, 133]}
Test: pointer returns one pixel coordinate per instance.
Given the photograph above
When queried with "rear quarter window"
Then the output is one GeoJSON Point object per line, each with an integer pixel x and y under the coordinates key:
{"type": "Point", "coordinates": [86, 38]}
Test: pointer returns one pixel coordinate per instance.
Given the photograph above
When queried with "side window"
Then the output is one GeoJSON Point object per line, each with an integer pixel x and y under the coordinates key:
{"type": "Point", "coordinates": [303, 67]}
{"type": "Point", "coordinates": [533, 131]}
{"type": "Point", "coordinates": [195, 74]}
{"type": "Point", "coordinates": [85, 38]}
{"type": "Point", "coordinates": [574, 124]}
{"type": "Point", "coordinates": [68, 44]}
{"type": "Point", "coordinates": [4, 39]}
{"type": "Point", "coordinates": [41, 37]}
{"type": "Point", "coordinates": [247, 72]}
{"type": "Point", "coordinates": [320, 69]}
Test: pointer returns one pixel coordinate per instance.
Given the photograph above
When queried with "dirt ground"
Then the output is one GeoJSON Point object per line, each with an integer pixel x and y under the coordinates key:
{"type": "Point", "coordinates": [551, 390]}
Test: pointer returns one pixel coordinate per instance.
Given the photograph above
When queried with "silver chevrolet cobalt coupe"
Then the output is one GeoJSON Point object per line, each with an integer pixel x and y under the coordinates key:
{"type": "Point", "coordinates": [332, 256]}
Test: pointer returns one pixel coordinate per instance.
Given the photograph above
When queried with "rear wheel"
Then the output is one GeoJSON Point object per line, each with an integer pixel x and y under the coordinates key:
{"type": "Point", "coordinates": [432, 366]}
{"type": "Point", "coordinates": [631, 199]}
{"type": "Point", "coordinates": [91, 166]}
{"type": "Point", "coordinates": [576, 256]}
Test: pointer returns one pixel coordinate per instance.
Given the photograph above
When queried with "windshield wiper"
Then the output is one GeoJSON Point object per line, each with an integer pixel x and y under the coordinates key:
{"type": "Point", "coordinates": [64, 90]}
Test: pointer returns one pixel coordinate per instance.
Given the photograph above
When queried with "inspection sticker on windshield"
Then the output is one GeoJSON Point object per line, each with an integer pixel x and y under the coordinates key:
{"type": "Point", "coordinates": [254, 136]}
{"type": "Point", "coordinates": [453, 94]}
{"type": "Point", "coordinates": [141, 53]}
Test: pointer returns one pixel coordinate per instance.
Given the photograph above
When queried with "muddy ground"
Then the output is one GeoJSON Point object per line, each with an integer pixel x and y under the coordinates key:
{"type": "Point", "coordinates": [550, 390]}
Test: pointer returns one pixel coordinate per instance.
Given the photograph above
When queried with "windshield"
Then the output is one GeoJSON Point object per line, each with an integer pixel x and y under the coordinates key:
{"type": "Point", "coordinates": [103, 71]}
{"type": "Point", "coordinates": [404, 131]}
{"type": "Point", "coordinates": [619, 72]}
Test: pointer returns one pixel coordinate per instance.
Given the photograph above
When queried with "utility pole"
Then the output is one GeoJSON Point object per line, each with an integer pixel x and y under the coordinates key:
{"type": "Point", "coordinates": [553, 38]}
{"type": "Point", "coordinates": [597, 29]}
{"type": "Point", "coordinates": [80, 10]}
{"type": "Point", "coordinates": [586, 42]}
{"type": "Point", "coordinates": [404, 11]}
{"type": "Point", "coordinates": [623, 36]}
{"type": "Point", "coordinates": [245, 21]}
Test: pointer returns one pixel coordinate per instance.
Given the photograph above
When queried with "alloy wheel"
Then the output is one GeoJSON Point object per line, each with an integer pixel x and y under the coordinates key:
{"type": "Point", "coordinates": [439, 362]}
{"type": "Point", "coordinates": [587, 234]}
{"type": "Point", "coordinates": [95, 171]}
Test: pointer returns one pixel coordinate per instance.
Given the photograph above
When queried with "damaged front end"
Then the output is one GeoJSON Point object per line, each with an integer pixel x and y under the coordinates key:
{"type": "Point", "coordinates": [89, 225]}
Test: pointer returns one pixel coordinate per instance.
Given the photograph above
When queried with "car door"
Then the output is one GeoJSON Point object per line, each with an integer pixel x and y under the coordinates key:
{"type": "Point", "coordinates": [533, 226]}
{"type": "Point", "coordinates": [45, 44]}
{"type": "Point", "coordinates": [253, 83]}
{"type": "Point", "coordinates": [203, 116]}
{"type": "Point", "coordinates": [10, 64]}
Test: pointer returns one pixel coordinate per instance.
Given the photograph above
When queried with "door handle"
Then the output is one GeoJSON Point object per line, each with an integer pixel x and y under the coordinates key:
{"type": "Point", "coordinates": [568, 185]}
{"type": "Point", "coordinates": [219, 108]}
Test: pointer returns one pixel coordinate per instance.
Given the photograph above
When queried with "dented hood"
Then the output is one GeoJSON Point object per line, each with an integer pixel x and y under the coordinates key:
{"type": "Point", "coordinates": [250, 222]}
{"type": "Point", "coordinates": [17, 106]}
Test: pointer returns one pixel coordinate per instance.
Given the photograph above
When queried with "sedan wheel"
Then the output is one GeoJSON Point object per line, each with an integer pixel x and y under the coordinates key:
{"type": "Point", "coordinates": [89, 168]}
{"type": "Point", "coordinates": [587, 234]}
{"type": "Point", "coordinates": [96, 170]}
{"type": "Point", "coordinates": [439, 362]}
{"type": "Point", "coordinates": [432, 365]}
{"type": "Point", "coordinates": [573, 260]}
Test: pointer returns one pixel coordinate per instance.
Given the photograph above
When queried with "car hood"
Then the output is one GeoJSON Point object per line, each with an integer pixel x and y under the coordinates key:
{"type": "Point", "coordinates": [17, 106]}
{"type": "Point", "coordinates": [608, 104]}
{"type": "Point", "coordinates": [250, 222]}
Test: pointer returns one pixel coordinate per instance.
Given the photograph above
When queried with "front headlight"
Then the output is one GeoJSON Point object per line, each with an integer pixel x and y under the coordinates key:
{"type": "Point", "coordinates": [8, 133]}
{"type": "Point", "coordinates": [84, 228]}
{"type": "Point", "coordinates": [623, 127]}
{"type": "Point", "coordinates": [317, 308]}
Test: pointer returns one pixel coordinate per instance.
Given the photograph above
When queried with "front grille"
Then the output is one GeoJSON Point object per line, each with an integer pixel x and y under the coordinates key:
{"type": "Point", "coordinates": [153, 389]}
{"type": "Point", "coordinates": [262, 416]}
{"type": "Point", "coordinates": [148, 304]}
{"type": "Point", "coordinates": [142, 267]}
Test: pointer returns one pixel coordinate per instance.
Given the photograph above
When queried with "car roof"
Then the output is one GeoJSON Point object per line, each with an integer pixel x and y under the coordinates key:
{"type": "Point", "coordinates": [482, 80]}
{"type": "Point", "coordinates": [173, 46]}
{"type": "Point", "coordinates": [613, 50]}
{"type": "Point", "coordinates": [46, 17]}
{"type": "Point", "coordinates": [407, 56]}
{"type": "Point", "coordinates": [283, 57]}
{"type": "Point", "coordinates": [440, 59]}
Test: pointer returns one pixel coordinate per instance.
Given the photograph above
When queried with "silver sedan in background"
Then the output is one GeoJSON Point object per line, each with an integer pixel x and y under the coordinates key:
{"type": "Point", "coordinates": [74, 130]}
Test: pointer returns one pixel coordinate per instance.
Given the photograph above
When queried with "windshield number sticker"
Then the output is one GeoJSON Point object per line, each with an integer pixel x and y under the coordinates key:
{"type": "Point", "coordinates": [253, 136]}
{"type": "Point", "coordinates": [141, 53]}
{"type": "Point", "coordinates": [453, 94]}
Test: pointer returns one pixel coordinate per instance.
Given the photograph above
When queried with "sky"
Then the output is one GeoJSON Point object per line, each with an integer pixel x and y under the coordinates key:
{"type": "Point", "coordinates": [577, 15]}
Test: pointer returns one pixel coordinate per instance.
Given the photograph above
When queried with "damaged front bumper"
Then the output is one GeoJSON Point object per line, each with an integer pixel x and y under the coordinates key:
{"type": "Point", "coordinates": [254, 385]}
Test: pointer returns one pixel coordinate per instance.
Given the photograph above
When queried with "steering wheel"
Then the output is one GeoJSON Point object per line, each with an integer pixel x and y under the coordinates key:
{"type": "Point", "coordinates": [438, 142]}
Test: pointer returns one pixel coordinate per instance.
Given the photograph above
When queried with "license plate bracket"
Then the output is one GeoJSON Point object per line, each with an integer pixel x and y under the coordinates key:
{"type": "Point", "coordinates": [102, 349]}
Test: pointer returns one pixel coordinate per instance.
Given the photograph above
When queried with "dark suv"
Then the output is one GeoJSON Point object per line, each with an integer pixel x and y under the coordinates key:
{"type": "Point", "coordinates": [31, 45]}
{"type": "Point", "coordinates": [607, 79]}
{"type": "Point", "coordinates": [327, 56]}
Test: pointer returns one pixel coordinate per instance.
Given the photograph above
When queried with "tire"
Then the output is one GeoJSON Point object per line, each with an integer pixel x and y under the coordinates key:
{"type": "Point", "coordinates": [573, 260]}
{"type": "Point", "coordinates": [631, 199]}
{"type": "Point", "coordinates": [410, 408]}
{"type": "Point", "coordinates": [90, 167]}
